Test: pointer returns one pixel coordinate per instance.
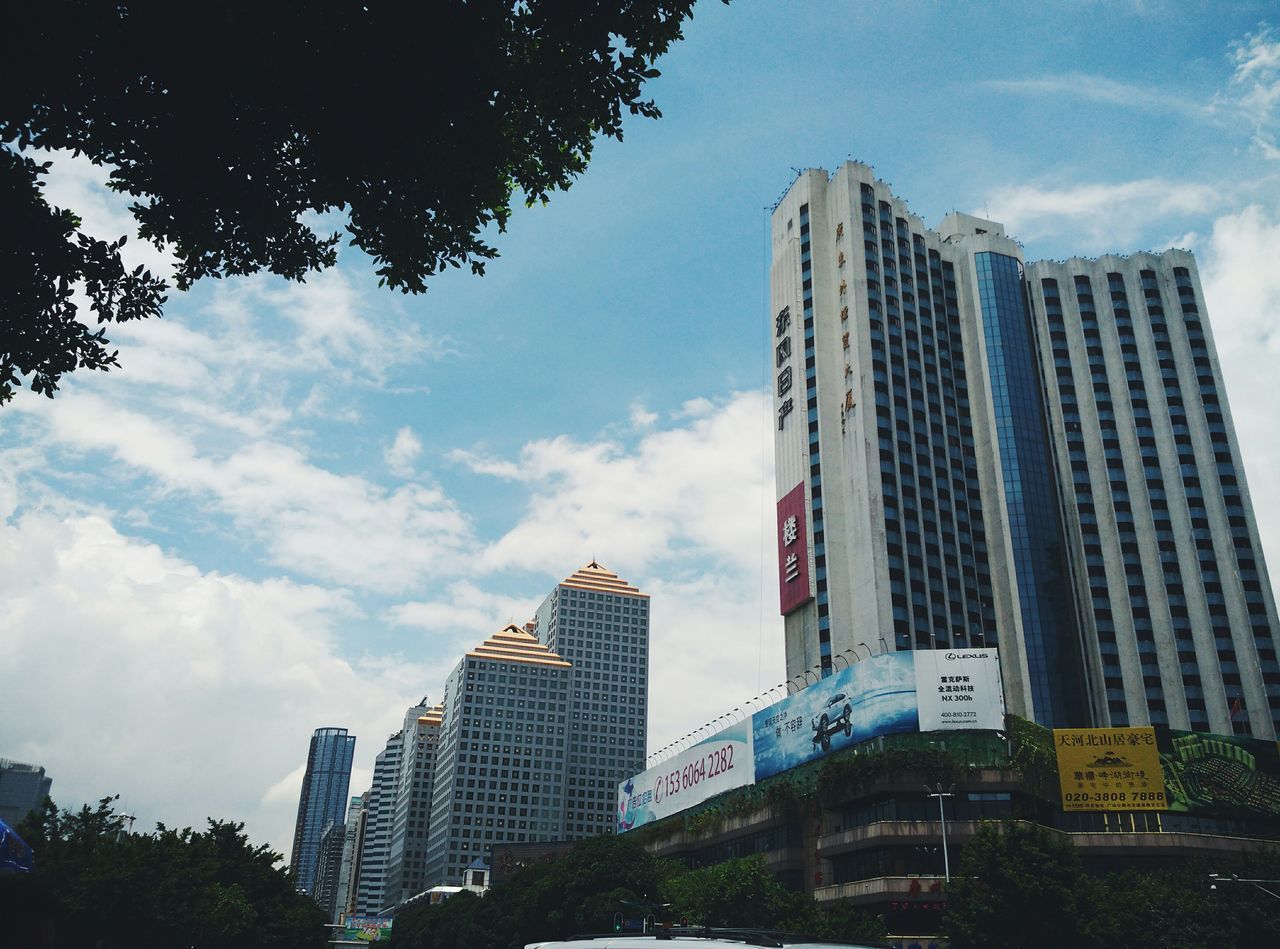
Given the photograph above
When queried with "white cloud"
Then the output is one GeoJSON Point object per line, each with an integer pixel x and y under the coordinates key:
{"type": "Point", "coordinates": [466, 610]}
{"type": "Point", "coordinates": [339, 528]}
{"type": "Point", "coordinates": [1092, 88]}
{"type": "Point", "coordinates": [1099, 216]}
{"type": "Point", "coordinates": [192, 694]}
{"type": "Point", "coordinates": [403, 452]}
{"type": "Point", "coordinates": [642, 417]}
{"type": "Point", "coordinates": [1242, 291]}
{"type": "Point", "coordinates": [715, 642]}
{"type": "Point", "coordinates": [1255, 87]}
{"type": "Point", "coordinates": [76, 184]}
{"type": "Point", "coordinates": [686, 495]}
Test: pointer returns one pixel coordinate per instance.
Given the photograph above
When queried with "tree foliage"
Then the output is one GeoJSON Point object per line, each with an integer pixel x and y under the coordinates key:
{"type": "Point", "coordinates": [1025, 886]}
{"type": "Point", "coordinates": [233, 124]}
{"type": "Point", "coordinates": [598, 878]}
{"type": "Point", "coordinates": [95, 885]}
{"type": "Point", "coordinates": [578, 893]}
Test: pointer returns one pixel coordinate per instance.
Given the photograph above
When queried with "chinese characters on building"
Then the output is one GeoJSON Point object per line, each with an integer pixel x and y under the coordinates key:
{"type": "Point", "coordinates": [782, 358]}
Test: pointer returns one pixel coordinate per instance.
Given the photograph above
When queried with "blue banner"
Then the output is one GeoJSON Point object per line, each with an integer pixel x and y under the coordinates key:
{"type": "Point", "coordinates": [867, 699]}
{"type": "Point", "coordinates": [15, 855]}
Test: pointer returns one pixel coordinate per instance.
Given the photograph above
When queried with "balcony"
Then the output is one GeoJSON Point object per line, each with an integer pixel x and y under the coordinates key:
{"type": "Point", "coordinates": [882, 890]}
{"type": "Point", "coordinates": [890, 833]}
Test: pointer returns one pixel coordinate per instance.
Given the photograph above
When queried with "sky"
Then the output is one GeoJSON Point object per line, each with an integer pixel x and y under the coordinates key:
{"type": "Point", "coordinates": [296, 505]}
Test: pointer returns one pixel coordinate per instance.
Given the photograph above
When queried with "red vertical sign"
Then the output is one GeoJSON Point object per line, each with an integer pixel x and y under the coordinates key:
{"type": "Point", "coordinates": [793, 551]}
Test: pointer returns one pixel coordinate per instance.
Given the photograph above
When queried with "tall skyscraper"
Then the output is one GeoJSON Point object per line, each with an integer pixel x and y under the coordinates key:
{"type": "Point", "coordinates": [973, 451]}
{"type": "Point", "coordinates": [323, 800]}
{"type": "Point", "coordinates": [500, 767]}
{"type": "Point", "coordinates": [406, 860]}
{"type": "Point", "coordinates": [600, 624]}
{"type": "Point", "coordinates": [371, 888]}
{"type": "Point", "coordinates": [23, 789]}
{"type": "Point", "coordinates": [1177, 613]}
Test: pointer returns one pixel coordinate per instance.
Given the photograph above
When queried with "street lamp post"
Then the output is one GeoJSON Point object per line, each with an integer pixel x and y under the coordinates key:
{"type": "Point", "coordinates": [942, 816]}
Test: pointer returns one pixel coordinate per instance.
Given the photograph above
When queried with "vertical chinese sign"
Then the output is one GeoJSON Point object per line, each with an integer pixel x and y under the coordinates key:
{"type": "Point", "coordinates": [793, 551]}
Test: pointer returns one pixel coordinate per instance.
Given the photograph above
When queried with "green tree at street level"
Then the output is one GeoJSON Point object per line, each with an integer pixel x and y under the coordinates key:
{"type": "Point", "coordinates": [1023, 885]}
{"type": "Point", "coordinates": [232, 122]}
{"type": "Point", "coordinates": [96, 887]}
{"type": "Point", "coordinates": [582, 892]}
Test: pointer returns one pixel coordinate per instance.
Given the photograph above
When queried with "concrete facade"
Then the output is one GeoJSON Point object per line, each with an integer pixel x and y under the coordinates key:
{"type": "Point", "coordinates": [379, 821]}
{"type": "Point", "coordinates": [23, 789]}
{"type": "Point", "coordinates": [406, 868]}
{"type": "Point", "coordinates": [1177, 614]}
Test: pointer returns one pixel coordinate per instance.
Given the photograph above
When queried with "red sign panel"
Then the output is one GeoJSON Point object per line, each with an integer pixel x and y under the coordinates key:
{"type": "Point", "coordinates": [793, 551]}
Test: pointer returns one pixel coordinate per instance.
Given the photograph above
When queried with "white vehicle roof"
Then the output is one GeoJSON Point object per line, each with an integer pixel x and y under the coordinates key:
{"type": "Point", "coordinates": [731, 938]}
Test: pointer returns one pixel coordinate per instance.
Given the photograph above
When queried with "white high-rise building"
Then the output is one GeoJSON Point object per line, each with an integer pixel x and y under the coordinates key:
{"type": "Point", "coordinates": [973, 451]}
{"type": "Point", "coordinates": [379, 820]}
{"type": "Point", "coordinates": [406, 861]}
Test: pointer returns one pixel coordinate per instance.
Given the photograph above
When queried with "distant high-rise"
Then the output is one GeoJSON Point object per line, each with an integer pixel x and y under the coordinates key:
{"type": "Point", "coordinates": [23, 789]}
{"type": "Point", "coordinates": [344, 901]}
{"type": "Point", "coordinates": [323, 799]}
{"type": "Point", "coordinates": [329, 866]}
{"type": "Point", "coordinates": [600, 624]}
{"type": "Point", "coordinates": [500, 767]}
{"type": "Point", "coordinates": [406, 855]}
{"type": "Point", "coordinates": [973, 451]}
{"type": "Point", "coordinates": [371, 889]}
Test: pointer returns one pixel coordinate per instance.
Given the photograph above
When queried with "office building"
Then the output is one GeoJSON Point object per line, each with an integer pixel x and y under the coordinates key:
{"type": "Point", "coordinates": [329, 866]}
{"type": "Point", "coordinates": [1177, 614]}
{"type": "Point", "coordinates": [372, 881]}
{"type": "Point", "coordinates": [344, 902]}
{"type": "Point", "coordinates": [406, 860]}
{"type": "Point", "coordinates": [323, 800]}
{"type": "Point", "coordinates": [23, 789]}
{"type": "Point", "coordinates": [600, 624]}
{"type": "Point", "coordinates": [500, 764]}
{"type": "Point", "coordinates": [976, 451]}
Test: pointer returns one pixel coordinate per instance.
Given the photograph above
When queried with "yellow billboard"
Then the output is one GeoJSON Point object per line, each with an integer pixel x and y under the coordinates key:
{"type": "Point", "coordinates": [1109, 769]}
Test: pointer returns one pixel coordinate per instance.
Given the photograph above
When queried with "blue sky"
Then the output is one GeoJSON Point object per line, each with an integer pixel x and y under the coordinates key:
{"type": "Point", "coordinates": [296, 505]}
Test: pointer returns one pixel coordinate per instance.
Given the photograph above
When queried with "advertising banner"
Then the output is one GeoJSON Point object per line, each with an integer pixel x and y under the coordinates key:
{"type": "Point", "coordinates": [698, 774]}
{"type": "Point", "coordinates": [959, 688]}
{"type": "Point", "coordinates": [925, 690]}
{"type": "Point", "coordinates": [367, 928]}
{"type": "Point", "coordinates": [715, 764]}
{"type": "Point", "coordinates": [15, 855]}
{"type": "Point", "coordinates": [793, 551]}
{"type": "Point", "coordinates": [1220, 775]}
{"type": "Point", "coordinates": [1109, 769]}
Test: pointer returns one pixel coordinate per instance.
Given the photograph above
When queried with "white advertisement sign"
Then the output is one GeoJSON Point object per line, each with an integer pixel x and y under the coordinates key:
{"type": "Point", "coordinates": [716, 764]}
{"type": "Point", "coordinates": [958, 688]}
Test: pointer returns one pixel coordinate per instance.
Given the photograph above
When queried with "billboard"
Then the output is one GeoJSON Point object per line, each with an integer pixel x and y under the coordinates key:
{"type": "Point", "coordinates": [15, 855]}
{"type": "Point", "coordinates": [1220, 775]}
{"type": "Point", "coordinates": [1109, 769]}
{"type": "Point", "coordinates": [713, 765]}
{"type": "Point", "coordinates": [793, 551]}
{"type": "Point", "coordinates": [367, 928]}
{"type": "Point", "coordinates": [926, 690]}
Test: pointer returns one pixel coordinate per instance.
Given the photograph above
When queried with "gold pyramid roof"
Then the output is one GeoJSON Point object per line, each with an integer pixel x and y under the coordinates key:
{"type": "Point", "coordinates": [432, 716]}
{"type": "Point", "coordinates": [600, 579]}
{"type": "Point", "coordinates": [513, 644]}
